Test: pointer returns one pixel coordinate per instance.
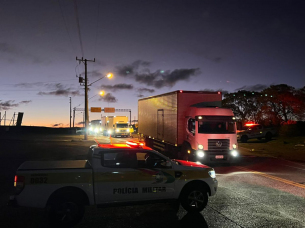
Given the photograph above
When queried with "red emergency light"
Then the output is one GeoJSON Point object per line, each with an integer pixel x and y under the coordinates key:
{"type": "Point", "coordinates": [250, 124]}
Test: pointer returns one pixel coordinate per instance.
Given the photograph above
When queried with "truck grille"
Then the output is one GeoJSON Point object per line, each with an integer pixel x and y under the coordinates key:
{"type": "Point", "coordinates": [123, 130]}
{"type": "Point", "coordinates": [218, 144]}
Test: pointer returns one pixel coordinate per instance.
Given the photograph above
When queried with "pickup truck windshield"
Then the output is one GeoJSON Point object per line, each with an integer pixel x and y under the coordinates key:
{"type": "Point", "coordinates": [122, 125]}
{"type": "Point", "coordinates": [216, 126]}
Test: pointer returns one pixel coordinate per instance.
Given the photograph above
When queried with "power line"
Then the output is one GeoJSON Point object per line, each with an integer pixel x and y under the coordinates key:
{"type": "Point", "coordinates": [78, 26]}
{"type": "Point", "coordinates": [62, 14]}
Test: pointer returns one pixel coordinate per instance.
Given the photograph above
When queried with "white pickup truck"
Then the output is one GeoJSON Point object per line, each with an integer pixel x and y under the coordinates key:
{"type": "Point", "coordinates": [255, 131]}
{"type": "Point", "coordinates": [114, 174]}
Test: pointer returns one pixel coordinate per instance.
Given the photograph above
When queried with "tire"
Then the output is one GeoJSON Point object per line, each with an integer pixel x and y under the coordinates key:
{"type": "Point", "coordinates": [66, 211]}
{"type": "Point", "coordinates": [194, 199]}
{"type": "Point", "coordinates": [268, 136]}
{"type": "Point", "coordinates": [244, 139]}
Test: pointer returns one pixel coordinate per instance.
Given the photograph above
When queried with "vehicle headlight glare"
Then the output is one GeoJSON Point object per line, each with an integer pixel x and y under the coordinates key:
{"type": "Point", "coordinates": [234, 146]}
{"type": "Point", "coordinates": [200, 147]}
{"type": "Point", "coordinates": [90, 128]}
{"type": "Point", "coordinates": [128, 130]}
{"type": "Point", "coordinates": [95, 130]}
{"type": "Point", "coordinates": [109, 131]}
{"type": "Point", "coordinates": [117, 130]}
{"type": "Point", "coordinates": [200, 154]}
{"type": "Point", "coordinates": [212, 174]}
{"type": "Point", "coordinates": [234, 153]}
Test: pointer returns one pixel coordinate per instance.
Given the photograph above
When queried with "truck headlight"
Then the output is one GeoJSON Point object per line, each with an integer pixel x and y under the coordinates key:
{"type": "Point", "coordinates": [95, 130]}
{"type": "Point", "coordinates": [117, 130]}
{"type": "Point", "coordinates": [234, 153]}
{"type": "Point", "coordinates": [109, 132]}
{"type": "Point", "coordinates": [90, 128]}
{"type": "Point", "coordinates": [234, 146]}
{"type": "Point", "coordinates": [101, 129]}
{"type": "Point", "coordinates": [200, 147]}
{"type": "Point", "coordinates": [200, 153]}
{"type": "Point", "coordinates": [212, 174]}
{"type": "Point", "coordinates": [128, 130]}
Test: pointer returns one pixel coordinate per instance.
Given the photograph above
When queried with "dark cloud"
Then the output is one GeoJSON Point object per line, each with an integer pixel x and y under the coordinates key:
{"type": "Point", "coordinates": [117, 87]}
{"type": "Point", "coordinates": [25, 102]}
{"type": "Point", "coordinates": [256, 88]}
{"type": "Point", "coordinates": [6, 105]}
{"type": "Point", "coordinates": [80, 123]}
{"type": "Point", "coordinates": [140, 95]}
{"type": "Point", "coordinates": [143, 90]}
{"type": "Point", "coordinates": [160, 79]}
{"type": "Point", "coordinates": [57, 125]}
{"type": "Point", "coordinates": [131, 69]}
{"type": "Point", "coordinates": [108, 98]}
{"type": "Point", "coordinates": [60, 90]}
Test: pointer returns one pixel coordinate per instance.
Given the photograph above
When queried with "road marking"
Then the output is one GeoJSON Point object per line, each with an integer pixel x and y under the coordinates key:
{"type": "Point", "coordinates": [273, 177]}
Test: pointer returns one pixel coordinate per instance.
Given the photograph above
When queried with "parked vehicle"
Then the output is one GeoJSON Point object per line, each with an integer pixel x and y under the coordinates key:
{"type": "Point", "coordinates": [113, 175]}
{"type": "Point", "coordinates": [116, 126]}
{"type": "Point", "coordinates": [255, 131]}
{"type": "Point", "coordinates": [189, 125]}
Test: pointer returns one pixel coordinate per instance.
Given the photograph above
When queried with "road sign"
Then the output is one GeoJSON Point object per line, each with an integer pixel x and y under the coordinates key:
{"type": "Point", "coordinates": [96, 109]}
{"type": "Point", "coordinates": [109, 110]}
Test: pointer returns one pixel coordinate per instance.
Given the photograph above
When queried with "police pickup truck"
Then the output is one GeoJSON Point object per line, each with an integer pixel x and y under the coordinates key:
{"type": "Point", "coordinates": [255, 131]}
{"type": "Point", "coordinates": [114, 174]}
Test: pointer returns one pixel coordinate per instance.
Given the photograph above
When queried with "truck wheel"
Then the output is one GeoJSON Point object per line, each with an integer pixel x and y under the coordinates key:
{"type": "Point", "coordinates": [244, 139]}
{"type": "Point", "coordinates": [66, 211]}
{"type": "Point", "coordinates": [194, 199]}
{"type": "Point", "coordinates": [268, 136]}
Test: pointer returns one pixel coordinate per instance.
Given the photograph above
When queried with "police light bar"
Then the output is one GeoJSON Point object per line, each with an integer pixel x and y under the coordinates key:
{"type": "Point", "coordinates": [135, 143]}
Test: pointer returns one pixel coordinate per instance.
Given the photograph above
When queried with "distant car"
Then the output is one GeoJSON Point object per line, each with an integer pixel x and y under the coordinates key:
{"type": "Point", "coordinates": [255, 131]}
{"type": "Point", "coordinates": [79, 131]}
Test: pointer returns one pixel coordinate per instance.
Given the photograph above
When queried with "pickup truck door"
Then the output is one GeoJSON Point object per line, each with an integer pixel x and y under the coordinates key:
{"type": "Point", "coordinates": [114, 178]}
{"type": "Point", "coordinates": [153, 178]}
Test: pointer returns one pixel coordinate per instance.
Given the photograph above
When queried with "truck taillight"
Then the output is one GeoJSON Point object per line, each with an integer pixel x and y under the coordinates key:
{"type": "Point", "coordinates": [19, 183]}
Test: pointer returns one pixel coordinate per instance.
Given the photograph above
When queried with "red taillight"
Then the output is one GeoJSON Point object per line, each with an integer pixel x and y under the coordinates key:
{"type": "Point", "coordinates": [19, 183]}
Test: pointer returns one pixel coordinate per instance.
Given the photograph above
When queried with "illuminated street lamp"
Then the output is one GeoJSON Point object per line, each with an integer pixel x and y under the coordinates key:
{"type": "Point", "coordinates": [109, 75]}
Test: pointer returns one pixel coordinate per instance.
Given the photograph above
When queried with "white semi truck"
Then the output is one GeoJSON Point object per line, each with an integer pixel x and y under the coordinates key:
{"type": "Point", "coordinates": [116, 126]}
{"type": "Point", "coordinates": [189, 125]}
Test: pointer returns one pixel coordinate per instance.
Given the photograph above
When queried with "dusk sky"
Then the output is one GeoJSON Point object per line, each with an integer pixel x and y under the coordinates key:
{"type": "Point", "coordinates": [151, 47]}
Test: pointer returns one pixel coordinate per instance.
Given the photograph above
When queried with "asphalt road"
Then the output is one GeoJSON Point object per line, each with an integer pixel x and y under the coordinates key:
{"type": "Point", "coordinates": [255, 192]}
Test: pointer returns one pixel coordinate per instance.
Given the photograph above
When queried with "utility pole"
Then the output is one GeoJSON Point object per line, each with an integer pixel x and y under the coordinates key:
{"type": "Point", "coordinates": [70, 113]}
{"type": "Point", "coordinates": [86, 96]}
{"type": "Point", "coordinates": [73, 116]}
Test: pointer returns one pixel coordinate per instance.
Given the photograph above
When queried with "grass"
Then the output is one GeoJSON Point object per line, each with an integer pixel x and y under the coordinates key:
{"type": "Point", "coordinates": [290, 148]}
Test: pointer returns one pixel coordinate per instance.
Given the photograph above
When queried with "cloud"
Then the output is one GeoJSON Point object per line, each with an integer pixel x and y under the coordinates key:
{"type": "Point", "coordinates": [80, 123]}
{"type": "Point", "coordinates": [25, 102]}
{"type": "Point", "coordinates": [143, 90]}
{"type": "Point", "coordinates": [29, 85]}
{"type": "Point", "coordinates": [57, 125]}
{"type": "Point", "coordinates": [140, 95]}
{"type": "Point", "coordinates": [16, 52]}
{"type": "Point", "coordinates": [60, 90]}
{"type": "Point", "coordinates": [7, 105]}
{"type": "Point", "coordinates": [108, 98]}
{"type": "Point", "coordinates": [256, 88]}
{"type": "Point", "coordinates": [117, 87]}
{"type": "Point", "coordinates": [160, 79]}
{"type": "Point", "coordinates": [131, 69]}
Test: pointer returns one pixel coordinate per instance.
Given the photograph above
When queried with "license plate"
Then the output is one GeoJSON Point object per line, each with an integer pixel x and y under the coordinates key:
{"type": "Point", "coordinates": [219, 156]}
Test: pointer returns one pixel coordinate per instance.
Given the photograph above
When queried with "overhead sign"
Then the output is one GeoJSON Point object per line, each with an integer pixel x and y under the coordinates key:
{"type": "Point", "coordinates": [109, 110]}
{"type": "Point", "coordinates": [96, 109]}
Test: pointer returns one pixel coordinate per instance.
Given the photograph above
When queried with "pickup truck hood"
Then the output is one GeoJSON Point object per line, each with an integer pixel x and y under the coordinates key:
{"type": "Point", "coordinates": [66, 164]}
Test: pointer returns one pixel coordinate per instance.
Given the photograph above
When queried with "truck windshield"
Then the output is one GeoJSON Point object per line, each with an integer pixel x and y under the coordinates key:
{"type": "Point", "coordinates": [216, 126]}
{"type": "Point", "coordinates": [122, 125]}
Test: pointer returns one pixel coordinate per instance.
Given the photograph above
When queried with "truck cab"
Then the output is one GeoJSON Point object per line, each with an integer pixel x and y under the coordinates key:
{"type": "Point", "coordinates": [210, 134]}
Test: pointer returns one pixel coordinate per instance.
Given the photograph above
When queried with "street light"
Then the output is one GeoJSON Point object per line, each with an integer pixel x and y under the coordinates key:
{"type": "Point", "coordinates": [109, 75]}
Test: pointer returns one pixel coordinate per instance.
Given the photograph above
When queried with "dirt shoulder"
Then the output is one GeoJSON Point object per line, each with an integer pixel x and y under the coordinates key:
{"type": "Point", "coordinates": [290, 148]}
